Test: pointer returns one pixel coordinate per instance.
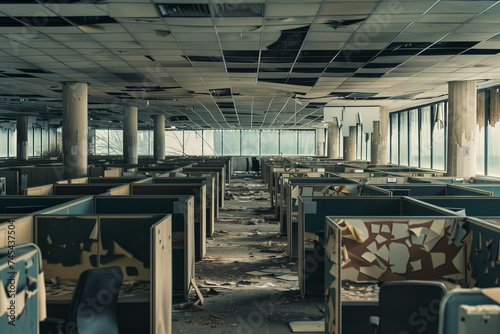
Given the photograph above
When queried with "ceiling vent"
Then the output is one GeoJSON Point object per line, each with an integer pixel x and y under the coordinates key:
{"type": "Point", "coordinates": [183, 10]}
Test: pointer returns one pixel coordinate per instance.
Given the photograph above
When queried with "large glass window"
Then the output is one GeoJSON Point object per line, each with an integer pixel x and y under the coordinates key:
{"type": "Point", "coordinates": [144, 138]}
{"type": "Point", "coordinates": [193, 142]}
{"type": "Point", "coordinates": [438, 136]}
{"type": "Point", "coordinates": [4, 139]}
{"type": "Point", "coordinates": [425, 137]}
{"type": "Point", "coordinates": [403, 138]}
{"type": "Point", "coordinates": [12, 142]}
{"type": "Point", "coordinates": [231, 142]}
{"type": "Point", "coordinates": [37, 141]}
{"type": "Point", "coordinates": [288, 142]}
{"type": "Point", "coordinates": [174, 142]}
{"type": "Point", "coordinates": [413, 150]}
{"type": "Point", "coordinates": [212, 142]}
{"type": "Point", "coordinates": [480, 132]}
{"type": "Point", "coordinates": [394, 138]}
{"type": "Point", "coordinates": [101, 142]}
{"type": "Point", "coordinates": [307, 142]}
{"type": "Point", "coordinates": [115, 142]}
{"type": "Point", "coordinates": [250, 142]}
{"type": "Point", "coordinates": [270, 140]}
{"type": "Point", "coordinates": [494, 134]}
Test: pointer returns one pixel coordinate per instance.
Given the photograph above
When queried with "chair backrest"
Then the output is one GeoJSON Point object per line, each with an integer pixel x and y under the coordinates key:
{"type": "Point", "coordinates": [448, 315]}
{"type": "Point", "coordinates": [93, 307]}
{"type": "Point", "coordinates": [410, 307]}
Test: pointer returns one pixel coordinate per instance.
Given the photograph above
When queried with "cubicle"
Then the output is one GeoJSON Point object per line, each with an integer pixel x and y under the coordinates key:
{"type": "Point", "coordinates": [181, 209]}
{"type": "Point", "coordinates": [141, 245]}
{"type": "Point", "coordinates": [28, 306]}
{"type": "Point", "coordinates": [79, 189]}
{"type": "Point", "coordinates": [288, 186]}
{"type": "Point", "coordinates": [312, 213]}
{"type": "Point", "coordinates": [29, 204]}
{"type": "Point", "coordinates": [199, 193]}
{"type": "Point", "coordinates": [433, 189]}
{"type": "Point", "coordinates": [222, 178]}
{"type": "Point", "coordinates": [210, 195]}
{"type": "Point", "coordinates": [394, 248]}
{"type": "Point", "coordinates": [319, 190]}
{"type": "Point", "coordinates": [215, 175]}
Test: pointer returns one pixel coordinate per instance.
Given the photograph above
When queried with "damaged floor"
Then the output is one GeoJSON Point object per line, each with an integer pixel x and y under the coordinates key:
{"type": "Point", "coordinates": [248, 283]}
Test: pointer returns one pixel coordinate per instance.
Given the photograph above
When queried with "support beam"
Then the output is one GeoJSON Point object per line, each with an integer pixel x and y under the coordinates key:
{"type": "Point", "coordinates": [159, 137]}
{"type": "Point", "coordinates": [350, 145]}
{"type": "Point", "coordinates": [461, 158]}
{"type": "Point", "coordinates": [380, 139]}
{"type": "Point", "coordinates": [130, 155]}
{"type": "Point", "coordinates": [75, 129]}
{"type": "Point", "coordinates": [333, 139]}
{"type": "Point", "coordinates": [22, 138]}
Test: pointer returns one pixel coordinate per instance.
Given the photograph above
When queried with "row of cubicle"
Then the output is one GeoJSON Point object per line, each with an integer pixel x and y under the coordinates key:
{"type": "Point", "coordinates": [152, 221]}
{"type": "Point", "coordinates": [360, 224]}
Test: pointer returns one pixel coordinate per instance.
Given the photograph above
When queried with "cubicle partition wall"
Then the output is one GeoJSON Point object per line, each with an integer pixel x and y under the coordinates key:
{"type": "Point", "coordinates": [432, 190]}
{"type": "Point", "coordinates": [210, 195]}
{"type": "Point", "coordinates": [78, 189]}
{"type": "Point", "coordinates": [140, 245]}
{"type": "Point", "coordinates": [312, 213]}
{"type": "Point", "coordinates": [482, 249]}
{"type": "Point", "coordinates": [12, 184]}
{"type": "Point", "coordinates": [28, 204]}
{"type": "Point", "coordinates": [217, 189]}
{"type": "Point", "coordinates": [110, 180]}
{"type": "Point", "coordinates": [409, 247]}
{"type": "Point", "coordinates": [199, 193]}
{"type": "Point", "coordinates": [277, 173]}
{"type": "Point", "coordinates": [181, 209]}
{"type": "Point", "coordinates": [222, 178]}
{"type": "Point", "coordinates": [28, 309]}
{"type": "Point", "coordinates": [319, 190]}
{"type": "Point", "coordinates": [288, 187]}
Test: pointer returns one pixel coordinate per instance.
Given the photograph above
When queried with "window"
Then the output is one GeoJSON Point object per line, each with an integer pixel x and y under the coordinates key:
{"type": "Point", "coordinates": [270, 140]}
{"type": "Point", "coordinates": [288, 142]}
{"type": "Point", "coordinates": [174, 141]}
{"type": "Point", "coordinates": [193, 142]}
{"type": "Point", "coordinates": [438, 136]}
{"type": "Point", "coordinates": [394, 138]}
{"type": "Point", "coordinates": [250, 142]}
{"type": "Point", "coordinates": [403, 138]}
{"type": "Point", "coordinates": [231, 142]}
{"type": "Point", "coordinates": [307, 142]}
{"type": "Point", "coordinates": [425, 137]}
{"type": "Point", "coordinates": [413, 149]}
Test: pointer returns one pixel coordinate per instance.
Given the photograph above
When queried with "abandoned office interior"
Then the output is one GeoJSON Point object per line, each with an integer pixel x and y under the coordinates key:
{"type": "Point", "coordinates": [250, 166]}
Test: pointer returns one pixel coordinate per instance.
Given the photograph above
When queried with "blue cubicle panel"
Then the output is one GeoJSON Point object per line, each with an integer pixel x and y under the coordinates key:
{"type": "Point", "coordinates": [19, 273]}
{"type": "Point", "coordinates": [29, 204]}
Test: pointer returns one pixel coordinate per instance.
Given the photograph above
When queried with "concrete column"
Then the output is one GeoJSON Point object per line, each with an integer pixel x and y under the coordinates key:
{"type": "Point", "coordinates": [159, 137]}
{"type": "Point", "coordinates": [130, 155]}
{"type": "Point", "coordinates": [91, 137]}
{"type": "Point", "coordinates": [320, 142]}
{"type": "Point", "coordinates": [22, 138]}
{"type": "Point", "coordinates": [75, 129]}
{"type": "Point", "coordinates": [462, 104]}
{"type": "Point", "coordinates": [350, 145]}
{"type": "Point", "coordinates": [333, 139]}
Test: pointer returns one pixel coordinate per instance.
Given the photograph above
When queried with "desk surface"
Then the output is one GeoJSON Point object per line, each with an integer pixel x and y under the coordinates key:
{"type": "Point", "coordinates": [131, 292]}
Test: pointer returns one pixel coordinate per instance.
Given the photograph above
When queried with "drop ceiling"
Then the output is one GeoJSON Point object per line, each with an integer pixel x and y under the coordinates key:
{"type": "Point", "coordinates": [254, 64]}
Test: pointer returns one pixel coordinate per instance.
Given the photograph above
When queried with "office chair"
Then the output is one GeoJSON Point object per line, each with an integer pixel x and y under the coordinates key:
{"type": "Point", "coordinates": [410, 307]}
{"type": "Point", "coordinates": [448, 313]}
{"type": "Point", "coordinates": [93, 307]}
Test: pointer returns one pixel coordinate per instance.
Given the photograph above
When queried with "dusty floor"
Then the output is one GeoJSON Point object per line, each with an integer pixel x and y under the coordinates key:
{"type": "Point", "coordinates": [248, 282]}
